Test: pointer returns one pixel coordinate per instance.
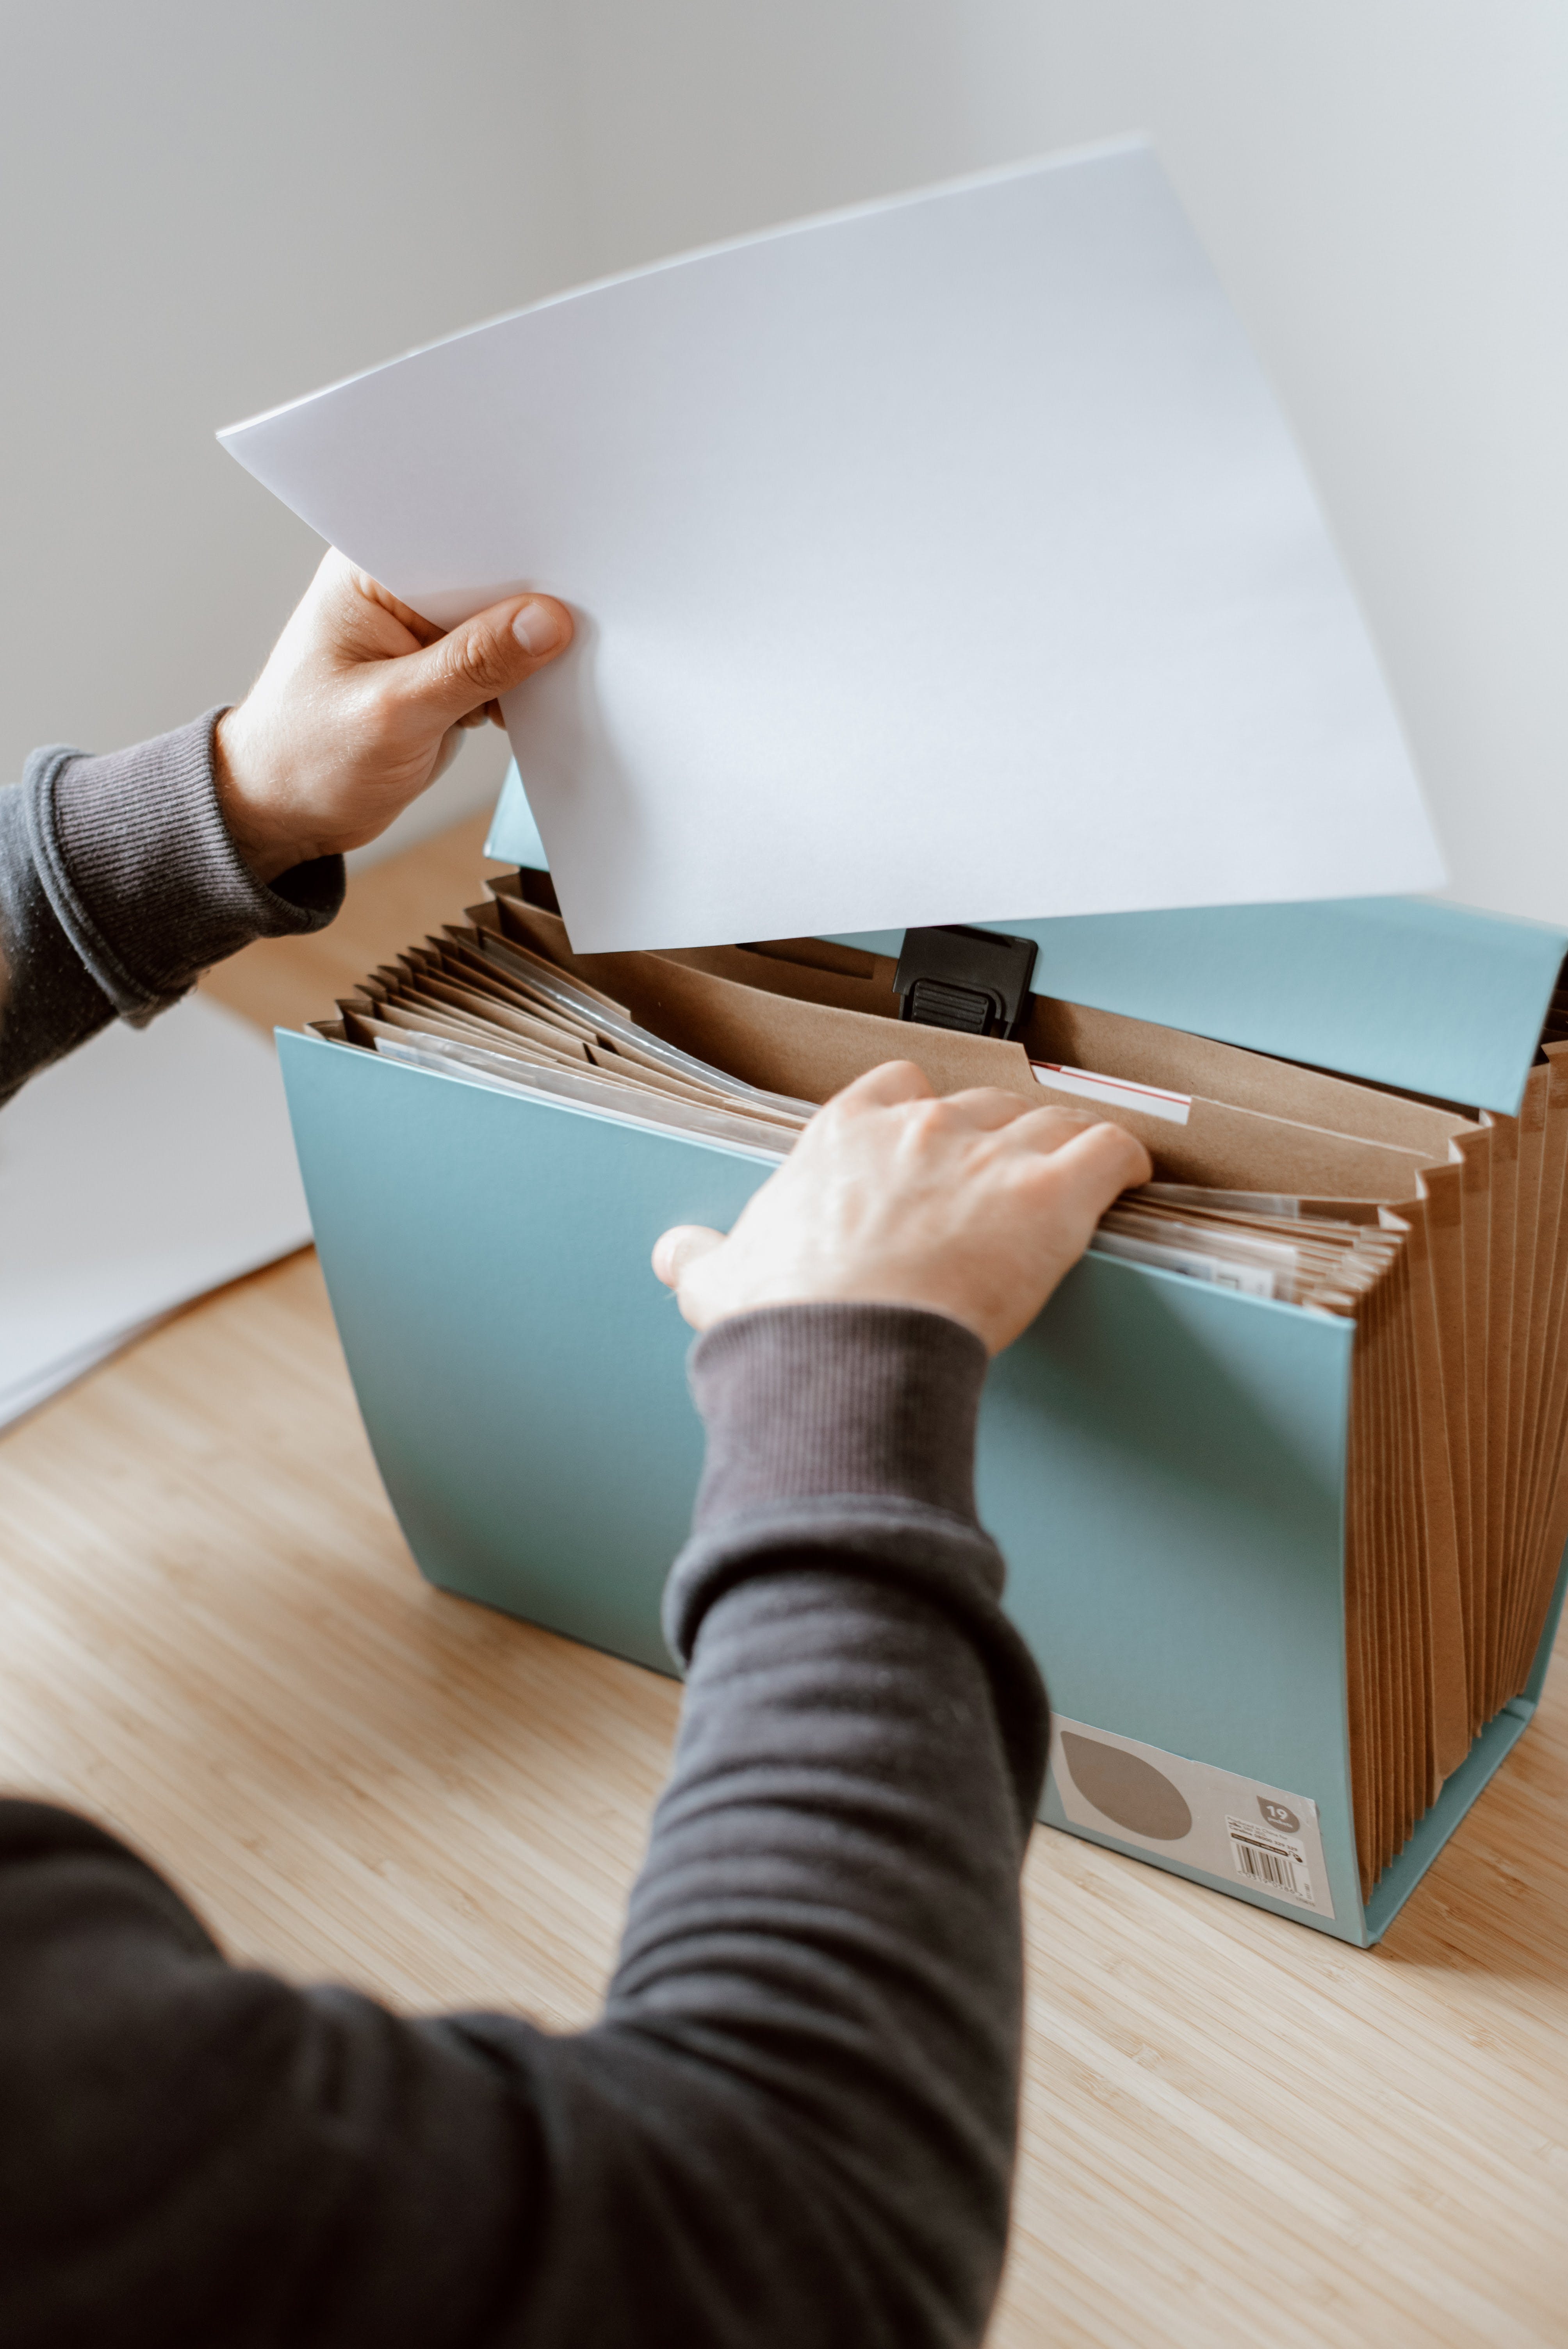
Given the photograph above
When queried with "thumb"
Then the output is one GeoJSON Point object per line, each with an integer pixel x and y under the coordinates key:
{"type": "Point", "coordinates": [482, 659]}
{"type": "Point", "coordinates": [676, 1250]}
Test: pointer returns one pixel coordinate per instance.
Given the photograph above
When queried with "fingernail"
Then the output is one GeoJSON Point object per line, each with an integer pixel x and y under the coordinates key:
{"type": "Point", "coordinates": [537, 629]}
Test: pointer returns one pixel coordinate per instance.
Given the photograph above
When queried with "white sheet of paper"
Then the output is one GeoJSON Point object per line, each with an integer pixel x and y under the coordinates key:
{"type": "Point", "coordinates": [149, 1167]}
{"type": "Point", "coordinates": [944, 560]}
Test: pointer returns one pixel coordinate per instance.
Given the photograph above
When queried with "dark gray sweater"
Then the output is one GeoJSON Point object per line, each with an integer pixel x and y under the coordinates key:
{"type": "Point", "coordinates": [794, 2122]}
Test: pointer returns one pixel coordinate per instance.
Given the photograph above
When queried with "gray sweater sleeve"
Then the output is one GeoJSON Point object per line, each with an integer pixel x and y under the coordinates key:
{"type": "Point", "coordinates": [794, 2122]}
{"type": "Point", "coordinates": [120, 885]}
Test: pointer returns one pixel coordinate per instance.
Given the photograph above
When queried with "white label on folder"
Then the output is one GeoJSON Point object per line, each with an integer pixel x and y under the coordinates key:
{"type": "Point", "coordinates": [1117, 1092]}
{"type": "Point", "coordinates": [1229, 1827]}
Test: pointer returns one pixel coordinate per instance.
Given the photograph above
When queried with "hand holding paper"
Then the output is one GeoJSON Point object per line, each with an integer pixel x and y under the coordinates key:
{"type": "Point", "coordinates": [358, 710]}
{"type": "Point", "coordinates": [974, 1206]}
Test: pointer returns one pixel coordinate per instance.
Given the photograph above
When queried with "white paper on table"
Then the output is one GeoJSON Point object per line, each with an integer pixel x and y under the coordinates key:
{"type": "Point", "coordinates": [945, 559]}
{"type": "Point", "coordinates": [149, 1166]}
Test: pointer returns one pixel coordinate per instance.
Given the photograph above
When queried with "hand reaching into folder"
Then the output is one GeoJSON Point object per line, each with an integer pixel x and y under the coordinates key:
{"type": "Point", "coordinates": [359, 708]}
{"type": "Point", "coordinates": [973, 1205]}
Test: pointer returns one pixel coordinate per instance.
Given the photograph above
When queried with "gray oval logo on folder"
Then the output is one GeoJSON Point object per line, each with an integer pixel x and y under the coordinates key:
{"type": "Point", "coordinates": [1132, 1793]}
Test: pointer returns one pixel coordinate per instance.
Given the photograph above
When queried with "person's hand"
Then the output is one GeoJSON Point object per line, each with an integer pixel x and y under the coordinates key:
{"type": "Point", "coordinates": [974, 1206]}
{"type": "Point", "coordinates": [359, 708]}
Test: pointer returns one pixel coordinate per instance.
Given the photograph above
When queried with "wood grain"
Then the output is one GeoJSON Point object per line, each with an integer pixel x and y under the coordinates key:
{"type": "Point", "coordinates": [1236, 2135]}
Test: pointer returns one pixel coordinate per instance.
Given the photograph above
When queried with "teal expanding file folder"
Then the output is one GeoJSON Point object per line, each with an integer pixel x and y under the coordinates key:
{"type": "Point", "coordinates": [1163, 1463]}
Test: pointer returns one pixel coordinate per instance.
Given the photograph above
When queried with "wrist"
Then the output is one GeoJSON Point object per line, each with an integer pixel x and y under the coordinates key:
{"type": "Point", "coordinates": [268, 845]}
{"type": "Point", "coordinates": [836, 1398]}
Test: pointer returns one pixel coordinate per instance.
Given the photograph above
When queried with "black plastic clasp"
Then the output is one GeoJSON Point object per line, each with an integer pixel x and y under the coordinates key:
{"type": "Point", "coordinates": [976, 981]}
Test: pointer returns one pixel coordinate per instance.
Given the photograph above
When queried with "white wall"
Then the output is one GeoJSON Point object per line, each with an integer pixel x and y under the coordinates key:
{"type": "Point", "coordinates": [208, 208]}
{"type": "Point", "coordinates": [1384, 187]}
{"type": "Point", "coordinates": [211, 208]}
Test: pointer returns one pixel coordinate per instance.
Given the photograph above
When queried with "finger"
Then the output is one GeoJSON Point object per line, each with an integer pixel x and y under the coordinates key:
{"type": "Point", "coordinates": [482, 659]}
{"type": "Point", "coordinates": [370, 591]}
{"type": "Point", "coordinates": [353, 618]}
{"type": "Point", "coordinates": [984, 1109]}
{"type": "Point", "coordinates": [451, 743]}
{"type": "Point", "coordinates": [676, 1250]}
{"type": "Point", "coordinates": [1095, 1167]}
{"type": "Point", "coordinates": [880, 1088]}
{"type": "Point", "coordinates": [1051, 1126]}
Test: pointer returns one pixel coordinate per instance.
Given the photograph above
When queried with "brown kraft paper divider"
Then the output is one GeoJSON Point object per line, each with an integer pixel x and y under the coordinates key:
{"type": "Point", "coordinates": [1412, 1649]}
{"type": "Point", "coordinates": [633, 1091]}
{"type": "Point", "coordinates": [1542, 1573]}
{"type": "Point", "coordinates": [1502, 1200]}
{"type": "Point", "coordinates": [1409, 1529]}
{"type": "Point", "coordinates": [1549, 1561]}
{"type": "Point", "coordinates": [1540, 1556]}
{"type": "Point", "coordinates": [792, 1046]}
{"type": "Point", "coordinates": [466, 1032]}
{"type": "Point", "coordinates": [1552, 1359]}
{"type": "Point", "coordinates": [1451, 1690]}
{"type": "Point", "coordinates": [626, 1058]}
{"type": "Point", "coordinates": [509, 1016]}
{"type": "Point", "coordinates": [1388, 1679]}
{"type": "Point", "coordinates": [625, 1070]}
{"type": "Point", "coordinates": [1475, 1234]}
{"type": "Point", "coordinates": [461, 949]}
{"type": "Point", "coordinates": [1552, 1254]}
{"type": "Point", "coordinates": [785, 1044]}
{"type": "Point", "coordinates": [1143, 1052]}
{"type": "Point", "coordinates": [423, 1006]}
{"type": "Point", "coordinates": [1070, 1034]}
{"type": "Point", "coordinates": [1525, 1401]}
{"type": "Point", "coordinates": [1108, 1042]}
{"type": "Point", "coordinates": [1407, 1663]}
{"type": "Point", "coordinates": [1361, 1632]}
{"type": "Point", "coordinates": [389, 1020]}
{"type": "Point", "coordinates": [1384, 1691]}
{"type": "Point", "coordinates": [871, 990]}
{"type": "Point", "coordinates": [1441, 1188]}
{"type": "Point", "coordinates": [819, 955]}
{"type": "Point", "coordinates": [1397, 1650]}
{"type": "Point", "coordinates": [1545, 1320]}
{"type": "Point", "coordinates": [1394, 1658]}
{"type": "Point", "coordinates": [1524, 1398]}
{"type": "Point", "coordinates": [1413, 1527]}
{"type": "Point", "coordinates": [1425, 1586]}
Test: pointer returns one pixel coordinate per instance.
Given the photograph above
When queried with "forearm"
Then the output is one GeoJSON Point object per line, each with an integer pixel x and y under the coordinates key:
{"type": "Point", "coordinates": [118, 885]}
{"type": "Point", "coordinates": [795, 2121]}
{"type": "Point", "coordinates": [827, 1932]}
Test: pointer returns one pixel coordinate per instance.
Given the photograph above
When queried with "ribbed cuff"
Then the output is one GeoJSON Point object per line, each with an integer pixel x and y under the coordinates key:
{"type": "Point", "coordinates": [843, 1436]}
{"type": "Point", "coordinates": [135, 860]}
{"type": "Point", "coordinates": [801, 1400]}
{"type": "Point", "coordinates": [842, 1431]}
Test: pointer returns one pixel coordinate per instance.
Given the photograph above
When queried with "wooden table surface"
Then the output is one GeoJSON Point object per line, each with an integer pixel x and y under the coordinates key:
{"type": "Point", "coordinates": [1236, 2135]}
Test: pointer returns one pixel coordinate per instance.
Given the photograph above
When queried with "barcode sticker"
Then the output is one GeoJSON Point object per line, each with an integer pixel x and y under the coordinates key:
{"type": "Point", "coordinates": [1239, 1832]}
{"type": "Point", "coordinates": [1274, 1863]}
{"type": "Point", "coordinates": [1115, 1093]}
